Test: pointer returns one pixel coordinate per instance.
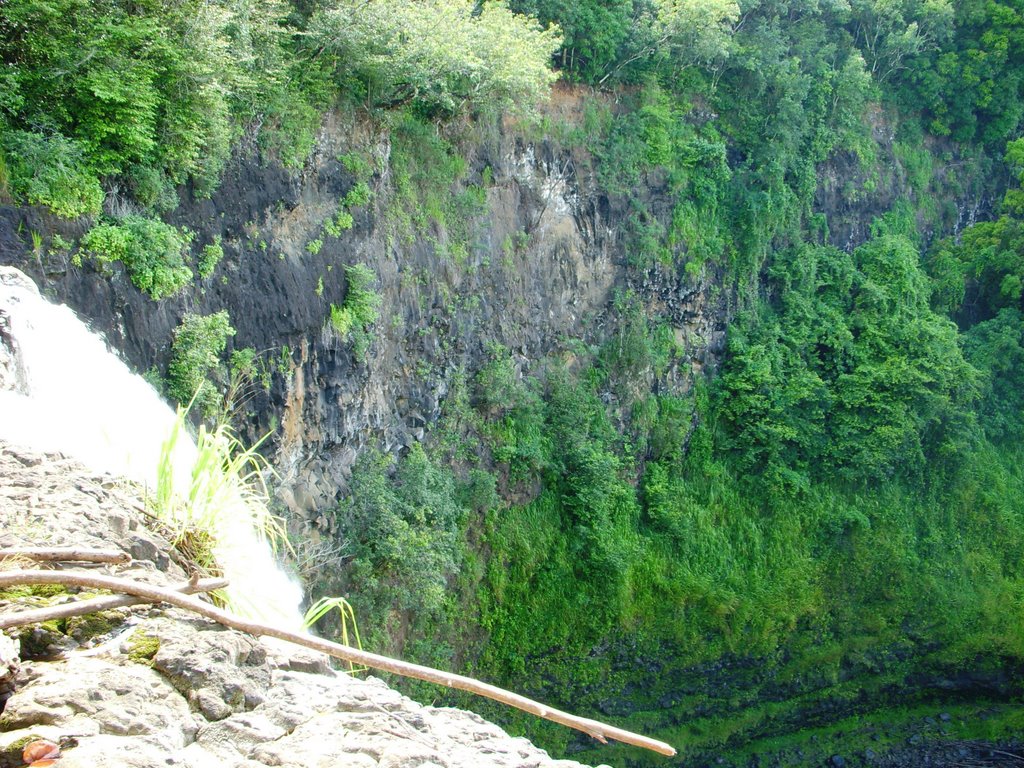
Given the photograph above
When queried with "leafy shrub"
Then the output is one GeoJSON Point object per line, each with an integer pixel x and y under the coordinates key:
{"type": "Point", "coordinates": [498, 389]}
{"type": "Point", "coordinates": [406, 533]}
{"type": "Point", "coordinates": [210, 257]}
{"type": "Point", "coordinates": [359, 195]}
{"type": "Point", "coordinates": [52, 171]}
{"type": "Point", "coordinates": [153, 189]}
{"type": "Point", "coordinates": [360, 309]}
{"type": "Point", "coordinates": [152, 253]}
{"type": "Point", "coordinates": [353, 319]}
{"type": "Point", "coordinates": [342, 221]}
{"type": "Point", "coordinates": [196, 350]}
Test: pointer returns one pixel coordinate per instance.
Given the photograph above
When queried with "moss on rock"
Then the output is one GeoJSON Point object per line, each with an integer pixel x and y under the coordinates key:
{"type": "Point", "coordinates": [142, 648]}
{"type": "Point", "coordinates": [91, 625]}
{"type": "Point", "coordinates": [32, 591]}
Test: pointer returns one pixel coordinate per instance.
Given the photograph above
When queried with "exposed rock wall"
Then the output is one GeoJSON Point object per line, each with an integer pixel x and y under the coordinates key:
{"type": "Point", "coordinates": [543, 263]}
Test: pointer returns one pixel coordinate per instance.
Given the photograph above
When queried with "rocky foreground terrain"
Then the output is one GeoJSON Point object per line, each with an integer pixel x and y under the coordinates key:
{"type": "Point", "coordinates": [149, 686]}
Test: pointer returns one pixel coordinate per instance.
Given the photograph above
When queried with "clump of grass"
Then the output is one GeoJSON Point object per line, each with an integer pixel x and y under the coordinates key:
{"type": "Point", "coordinates": [347, 616]}
{"type": "Point", "coordinates": [223, 493]}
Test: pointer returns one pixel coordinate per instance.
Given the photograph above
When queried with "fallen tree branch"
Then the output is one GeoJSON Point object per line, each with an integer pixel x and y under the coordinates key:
{"type": "Point", "coordinates": [59, 554]}
{"type": "Point", "coordinates": [96, 604]}
{"type": "Point", "coordinates": [594, 728]}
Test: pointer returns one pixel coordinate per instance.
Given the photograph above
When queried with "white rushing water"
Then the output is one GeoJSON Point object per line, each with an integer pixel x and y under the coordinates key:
{"type": "Point", "coordinates": [82, 401]}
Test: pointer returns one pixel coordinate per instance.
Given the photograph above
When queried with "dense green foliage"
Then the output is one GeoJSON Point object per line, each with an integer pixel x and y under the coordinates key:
{"type": "Point", "coordinates": [440, 55]}
{"type": "Point", "coordinates": [850, 375]}
{"type": "Point", "coordinates": [126, 88]}
{"type": "Point", "coordinates": [982, 272]}
{"type": "Point", "coordinates": [156, 93]}
{"type": "Point", "coordinates": [195, 368]}
{"type": "Point", "coordinates": [959, 64]}
{"type": "Point", "coordinates": [828, 527]}
{"type": "Point", "coordinates": [51, 171]}
{"type": "Point", "coordinates": [152, 252]}
{"type": "Point", "coordinates": [406, 541]}
{"type": "Point", "coordinates": [838, 507]}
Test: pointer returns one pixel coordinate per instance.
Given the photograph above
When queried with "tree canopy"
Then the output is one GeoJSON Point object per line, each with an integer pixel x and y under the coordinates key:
{"type": "Point", "coordinates": [442, 55]}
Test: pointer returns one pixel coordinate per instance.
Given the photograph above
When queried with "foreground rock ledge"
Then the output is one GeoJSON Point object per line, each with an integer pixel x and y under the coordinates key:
{"type": "Point", "coordinates": [161, 687]}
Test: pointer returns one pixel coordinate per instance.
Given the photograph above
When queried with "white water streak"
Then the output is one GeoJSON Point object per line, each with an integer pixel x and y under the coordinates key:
{"type": "Point", "coordinates": [83, 402]}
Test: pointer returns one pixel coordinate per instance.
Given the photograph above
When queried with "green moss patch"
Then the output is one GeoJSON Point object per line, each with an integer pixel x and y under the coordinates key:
{"type": "Point", "coordinates": [92, 625]}
{"type": "Point", "coordinates": [32, 590]}
{"type": "Point", "coordinates": [142, 648]}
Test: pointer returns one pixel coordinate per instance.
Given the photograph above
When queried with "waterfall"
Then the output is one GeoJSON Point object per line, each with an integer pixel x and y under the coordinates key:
{"type": "Point", "coordinates": [62, 390]}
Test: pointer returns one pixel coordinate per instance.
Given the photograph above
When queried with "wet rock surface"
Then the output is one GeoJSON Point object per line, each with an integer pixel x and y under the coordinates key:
{"type": "Point", "coordinates": [197, 694]}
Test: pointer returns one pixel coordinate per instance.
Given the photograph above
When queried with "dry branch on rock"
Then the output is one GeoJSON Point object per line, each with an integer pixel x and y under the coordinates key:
{"type": "Point", "coordinates": [97, 604]}
{"type": "Point", "coordinates": [66, 554]}
{"type": "Point", "coordinates": [600, 731]}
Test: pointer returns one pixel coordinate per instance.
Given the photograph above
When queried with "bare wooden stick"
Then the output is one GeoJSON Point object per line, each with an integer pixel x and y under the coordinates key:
{"type": "Point", "coordinates": [59, 554]}
{"type": "Point", "coordinates": [96, 604]}
{"type": "Point", "coordinates": [594, 728]}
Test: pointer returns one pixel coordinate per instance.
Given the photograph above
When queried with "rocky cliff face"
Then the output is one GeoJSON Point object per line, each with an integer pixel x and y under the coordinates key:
{"type": "Point", "coordinates": [543, 262]}
{"type": "Point", "coordinates": [147, 687]}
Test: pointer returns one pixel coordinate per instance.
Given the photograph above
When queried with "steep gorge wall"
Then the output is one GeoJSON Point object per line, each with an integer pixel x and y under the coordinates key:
{"type": "Point", "coordinates": [543, 263]}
